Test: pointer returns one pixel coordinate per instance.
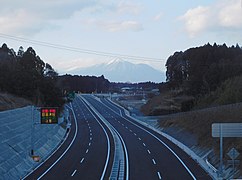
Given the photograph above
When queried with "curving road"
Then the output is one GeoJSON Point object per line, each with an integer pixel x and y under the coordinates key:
{"type": "Point", "coordinates": [105, 143]}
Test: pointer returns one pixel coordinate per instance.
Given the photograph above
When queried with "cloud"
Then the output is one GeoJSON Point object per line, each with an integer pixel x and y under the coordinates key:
{"type": "Point", "coordinates": [29, 17]}
{"type": "Point", "coordinates": [116, 26]}
{"type": "Point", "coordinates": [158, 16]}
{"type": "Point", "coordinates": [127, 7]}
{"type": "Point", "coordinates": [224, 15]}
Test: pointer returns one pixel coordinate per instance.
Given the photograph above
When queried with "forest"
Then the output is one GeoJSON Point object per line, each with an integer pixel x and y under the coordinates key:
{"type": "Point", "coordinates": [202, 69]}
{"type": "Point", "coordinates": [209, 73]}
{"type": "Point", "coordinates": [24, 74]}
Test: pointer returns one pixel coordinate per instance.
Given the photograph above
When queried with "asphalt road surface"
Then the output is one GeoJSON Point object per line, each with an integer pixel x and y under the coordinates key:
{"type": "Point", "coordinates": [105, 143]}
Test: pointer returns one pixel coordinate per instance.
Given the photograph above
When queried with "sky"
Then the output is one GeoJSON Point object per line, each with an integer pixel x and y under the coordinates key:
{"type": "Point", "coordinates": [151, 29]}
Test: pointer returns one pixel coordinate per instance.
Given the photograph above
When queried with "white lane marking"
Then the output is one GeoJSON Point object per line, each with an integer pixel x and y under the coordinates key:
{"type": "Point", "coordinates": [144, 144]}
{"type": "Point", "coordinates": [158, 173]}
{"type": "Point", "coordinates": [135, 134]}
{"type": "Point", "coordinates": [89, 144]}
{"type": "Point", "coordinates": [154, 162]}
{"type": "Point", "coordinates": [126, 127]}
{"type": "Point", "coordinates": [139, 139]}
{"type": "Point", "coordinates": [179, 159]}
{"type": "Point", "coordinates": [90, 134]}
{"type": "Point", "coordinates": [130, 130]}
{"type": "Point", "coordinates": [87, 151]}
{"type": "Point", "coordinates": [118, 121]}
{"type": "Point", "coordinates": [82, 160]}
{"type": "Point", "coordinates": [66, 148]}
{"type": "Point", "coordinates": [74, 172]}
{"type": "Point", "coordinates": [148, 151]}
{"type": "Point", "coordinates": [106, 134]}
{"type": "Point", "coordinates": [122, 124]}
{"type": "Point", "coordinates": [90, 130]}
{"type": "Point", "coordinates": [90, 138]}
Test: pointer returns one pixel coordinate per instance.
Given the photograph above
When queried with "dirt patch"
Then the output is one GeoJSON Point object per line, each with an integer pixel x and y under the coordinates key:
{"type": "Point", "coordinates": [8, 101]}
{"type": "Point", "coordinates": [167, 102]}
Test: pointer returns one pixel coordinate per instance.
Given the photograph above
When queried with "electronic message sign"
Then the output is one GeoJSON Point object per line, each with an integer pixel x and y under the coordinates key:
{"type": "Point", "coordinates": [48, 115]}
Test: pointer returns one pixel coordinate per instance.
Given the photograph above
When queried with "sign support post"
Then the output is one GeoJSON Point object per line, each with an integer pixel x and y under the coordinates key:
{"type": "Point", "coordinates": [225, 130]}
{"type": "Point", "coordinates": [221, 151]}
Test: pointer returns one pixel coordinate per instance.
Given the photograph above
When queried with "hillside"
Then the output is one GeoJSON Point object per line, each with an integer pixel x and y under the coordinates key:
{"type": "Point", "coordinates": [199, 123]}
{"type": "Point", "coordinates": [8, 101]}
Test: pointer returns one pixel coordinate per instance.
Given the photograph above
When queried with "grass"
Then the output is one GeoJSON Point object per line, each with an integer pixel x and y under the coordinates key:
{"type": "Point", "coordinates": [199, 123]}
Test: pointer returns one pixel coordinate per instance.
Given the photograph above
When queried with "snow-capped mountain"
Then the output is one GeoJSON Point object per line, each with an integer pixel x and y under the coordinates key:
{"type": "Point", "coordinates": [123, 71]}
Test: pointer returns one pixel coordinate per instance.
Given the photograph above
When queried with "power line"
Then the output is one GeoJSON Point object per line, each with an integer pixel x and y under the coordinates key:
{"type": "Point", "coordinates": [79, 50]}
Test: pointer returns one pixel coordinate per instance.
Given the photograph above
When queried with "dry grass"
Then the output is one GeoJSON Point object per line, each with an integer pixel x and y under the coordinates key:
{"type": "Point", "coordinates": [8, 101]}
{"type": "Point", "coordinates": [166, 103]}
{"type": "Point", "coordinates": [200, 122]}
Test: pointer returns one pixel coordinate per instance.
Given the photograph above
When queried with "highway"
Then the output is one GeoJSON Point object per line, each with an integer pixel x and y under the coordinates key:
{"type": "Point", "coordinates": [105, 143]}
{"type": "Point", "coordinates": [87, 152]}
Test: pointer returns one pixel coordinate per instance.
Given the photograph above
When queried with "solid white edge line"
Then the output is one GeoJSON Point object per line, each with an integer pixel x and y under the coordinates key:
{"type": "Point", "coordinates": [109, 149]}
{"type": "Point", "coordinates": [66, 148]}
{"type": "Point", "coordinates": [125, 149]}
{"type": "Point", "coordinates": [126, 153]}
{"type": "Point", "coordinates": [50, 154]}
{"type": "Point", "coordinates": [179, 159]}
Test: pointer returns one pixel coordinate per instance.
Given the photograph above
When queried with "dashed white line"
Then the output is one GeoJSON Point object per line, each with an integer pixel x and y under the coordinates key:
{"type": "Point", "coordinates": [82, 160]}
{"type": "Point", "coordinates": [90, 134]}
{"type": "Point", "coordinates": [139, 139]}
{"type": "Point", "coordinates": [154, 162]}
{"type": "Point", "coordinates": [144, 144]}
{"type": "Point", "coordinates": [87, 151]}
{"type": "Point", "coordinates": [158, 173]}
{"type": "Point", "coordinates": [90, 138]}
{"type": "Point", "coordinates": [74, 172]}
{"type": "Point", "coordinates": [130, 130]}
{"type": "Point", "coordinates": [135, 134]}
{"type": "Point", "coordinates": [126, 127]}
{"type": "Point", "coordinates": [148, 151]}
{"type": "Point", "coordinates": [89, 144]}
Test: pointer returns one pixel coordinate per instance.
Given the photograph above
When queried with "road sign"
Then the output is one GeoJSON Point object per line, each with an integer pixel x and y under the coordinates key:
{"type": "Point", "coordinates": [227, 129]}
{"type": "Point", "coordinates": [71, 96]}
{"type": "Point", "coordinates": [48, 115]}
{"type": "Point", "coordinates": [233, 153]}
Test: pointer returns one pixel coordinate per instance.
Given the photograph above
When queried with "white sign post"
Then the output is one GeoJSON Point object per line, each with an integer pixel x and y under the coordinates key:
{"type": "Point", "coordinates": [225, 130]}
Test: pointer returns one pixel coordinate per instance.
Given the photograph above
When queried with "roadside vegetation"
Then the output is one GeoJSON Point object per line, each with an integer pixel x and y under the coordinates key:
{"type": "Point", "coordinates": [25, 75]}
{"type": "Point", "coordinates": [204, 86]}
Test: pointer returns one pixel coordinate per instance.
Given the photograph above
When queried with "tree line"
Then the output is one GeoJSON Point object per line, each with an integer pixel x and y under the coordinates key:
{"type": "Point", "coordinates": [24, 74]}
{"type": "Point", "coordinates": [198, 71]}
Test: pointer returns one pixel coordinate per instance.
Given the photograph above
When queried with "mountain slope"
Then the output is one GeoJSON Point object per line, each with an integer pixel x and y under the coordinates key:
{"type": "Point", "coordinates": [123, 71]}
